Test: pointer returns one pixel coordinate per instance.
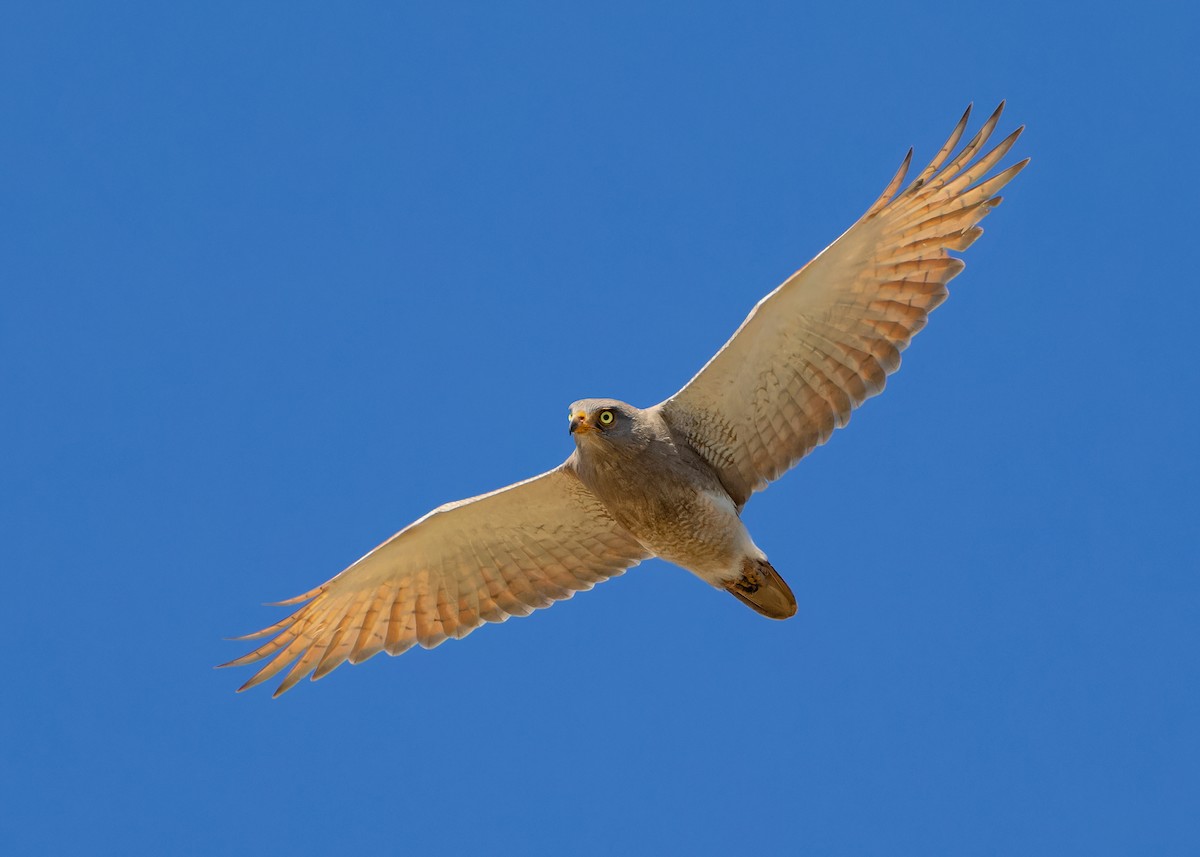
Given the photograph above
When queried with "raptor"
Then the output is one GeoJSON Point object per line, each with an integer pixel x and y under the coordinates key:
{"type": "Point", "coordinates": [669, 480]}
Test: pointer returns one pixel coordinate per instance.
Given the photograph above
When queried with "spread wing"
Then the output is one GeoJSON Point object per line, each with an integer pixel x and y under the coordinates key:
{"type": "Point", "coordinates": [823, 342]}
{"type": "Point", "coordinates": [501, 554]}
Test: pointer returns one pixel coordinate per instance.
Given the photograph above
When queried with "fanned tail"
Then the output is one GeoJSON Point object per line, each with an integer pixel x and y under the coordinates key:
{"type": "Point", "coordinates": [762, 589]}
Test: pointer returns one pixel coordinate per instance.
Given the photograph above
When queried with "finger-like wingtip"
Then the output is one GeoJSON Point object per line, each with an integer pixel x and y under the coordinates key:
{"type": "Point", "coordinates": [236, 662]}
{"type": "Point", "coordinates": [267, 631]}
{"type": "Point", "coordinates": [893, 185]}
{"type": "Point", "coordinates": [1012, 171]}
{"type": "Point", "coordinates": [263, 674]}
{"type": "Point", "coordinates": [947, 148]}
{"type": "Point", "coordinates": [240, 639]}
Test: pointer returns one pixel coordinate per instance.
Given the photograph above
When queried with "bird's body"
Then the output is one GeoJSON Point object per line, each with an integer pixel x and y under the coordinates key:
{"type": "Point", "coordinates": [669, 480]}
{"type": "Point", "coordinates": [660, 489]}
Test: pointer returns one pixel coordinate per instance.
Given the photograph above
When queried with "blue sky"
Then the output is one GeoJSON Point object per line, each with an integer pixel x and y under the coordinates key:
{"type": "Point", "coordinates": [280, 278]}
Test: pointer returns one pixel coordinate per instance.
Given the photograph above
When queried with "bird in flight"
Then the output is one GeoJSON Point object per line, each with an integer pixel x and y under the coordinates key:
{"type": "Point", "coordinates": [671, 480]}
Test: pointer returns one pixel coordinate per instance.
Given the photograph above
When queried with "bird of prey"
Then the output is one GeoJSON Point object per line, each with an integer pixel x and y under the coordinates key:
{"type": "Point", "coordinates": [670, 480]}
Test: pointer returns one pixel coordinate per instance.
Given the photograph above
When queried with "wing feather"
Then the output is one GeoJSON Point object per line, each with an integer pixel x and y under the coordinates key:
{"type": "Point", "coordinates": [502, 554]}
{"type": "Point", "coordinates": [825, 341]}
{"type": "Point", "coordinates": [943, 153]}
{"type": "Point", "coordinates": [401, 635]}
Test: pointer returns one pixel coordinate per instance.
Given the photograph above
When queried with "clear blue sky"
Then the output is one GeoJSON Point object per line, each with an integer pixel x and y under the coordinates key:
{"type": "Point", "coordinates": [278, 279]}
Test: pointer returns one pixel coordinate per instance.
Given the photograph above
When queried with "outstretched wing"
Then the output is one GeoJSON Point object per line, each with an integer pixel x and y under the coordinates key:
{"type": "Point", "coordinates": [501, 554]}
{"type": "Point", "coordinates": [823, 342]}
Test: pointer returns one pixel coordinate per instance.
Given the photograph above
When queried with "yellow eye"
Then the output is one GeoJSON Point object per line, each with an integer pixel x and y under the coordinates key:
{"type": "Point", "coordinates": [606, 418]}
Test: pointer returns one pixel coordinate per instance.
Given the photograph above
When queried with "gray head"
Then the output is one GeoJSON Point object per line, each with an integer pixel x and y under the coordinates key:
{"type": "Point", "coordinates": [604, 422]}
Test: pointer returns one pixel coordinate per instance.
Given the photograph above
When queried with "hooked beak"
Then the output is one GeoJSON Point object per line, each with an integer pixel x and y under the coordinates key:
{"type": "Point", "coordinates": [579, 423]}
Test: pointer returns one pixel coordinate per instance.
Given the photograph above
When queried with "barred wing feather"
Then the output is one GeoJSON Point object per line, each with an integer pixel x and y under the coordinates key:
{"type": "Point", "coordinates": [825, 341]}
{"type": "Point", "coordinates": [480, 560]}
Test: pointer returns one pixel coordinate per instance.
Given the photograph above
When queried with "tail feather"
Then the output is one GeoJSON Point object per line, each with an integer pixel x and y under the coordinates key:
{"type": "Point", "coordinates": [761, 588]}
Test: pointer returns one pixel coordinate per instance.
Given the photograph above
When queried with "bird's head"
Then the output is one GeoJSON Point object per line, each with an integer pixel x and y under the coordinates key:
{"type": "Point", "coordinates": [602, 421]}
